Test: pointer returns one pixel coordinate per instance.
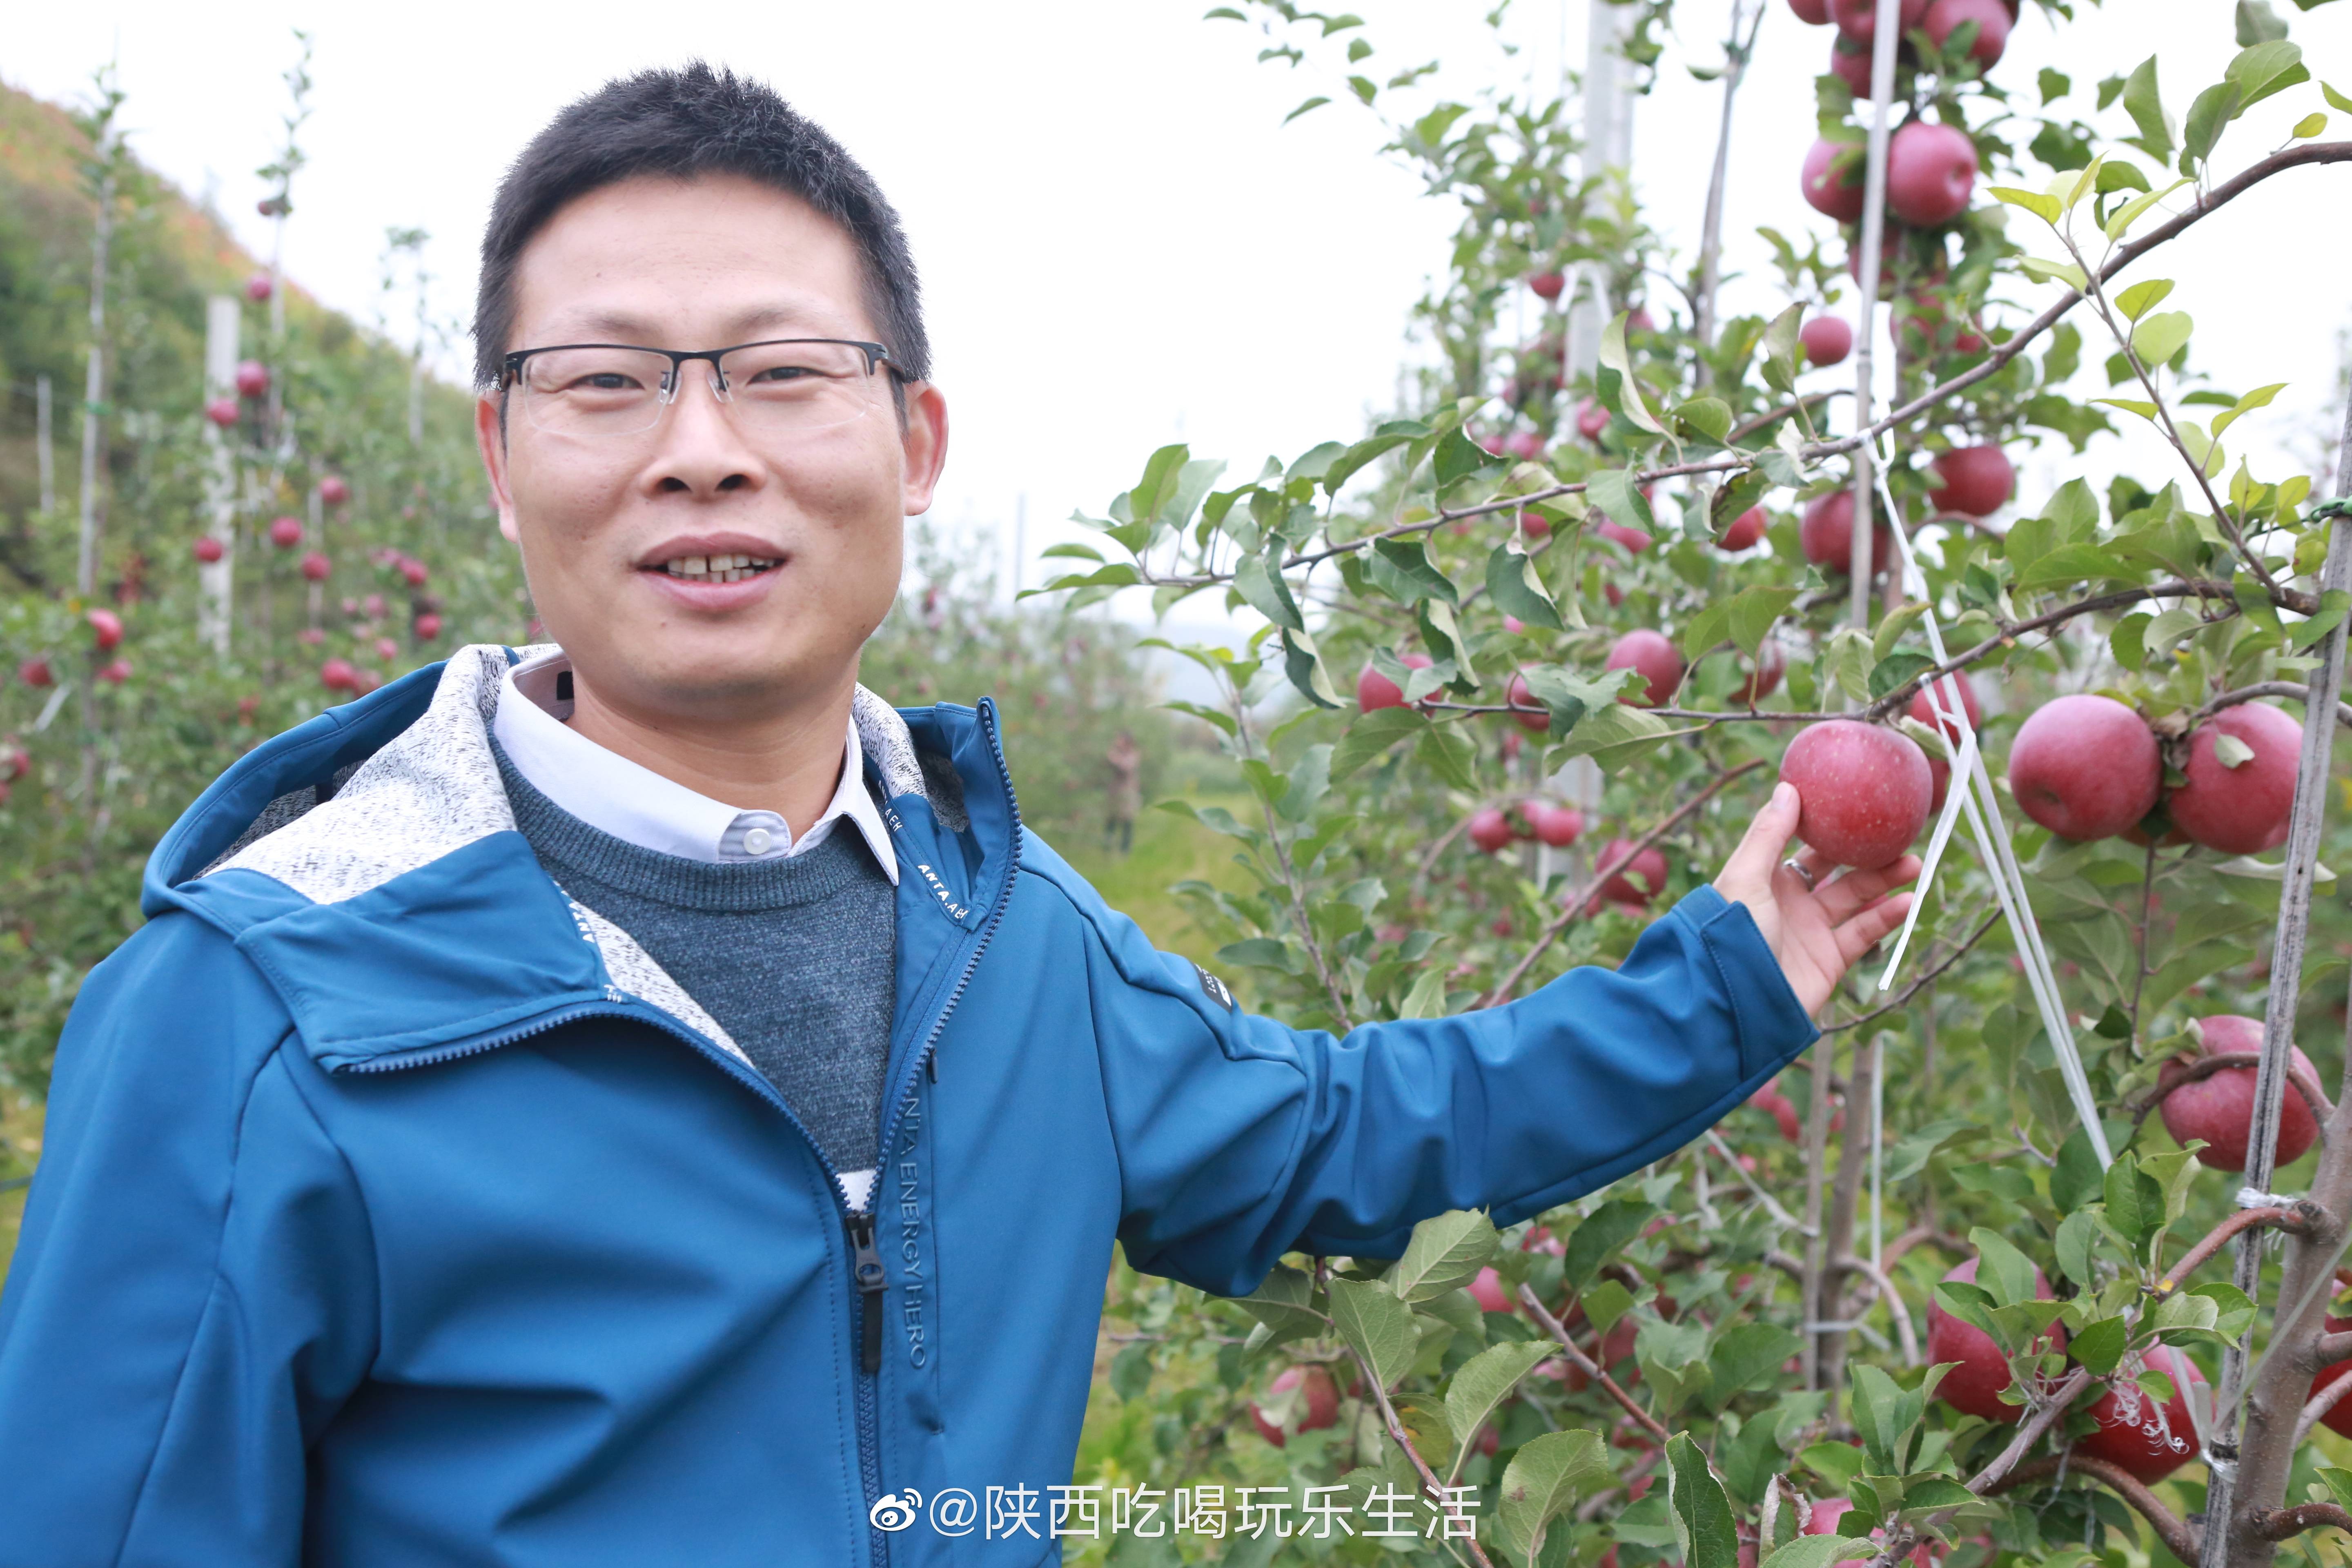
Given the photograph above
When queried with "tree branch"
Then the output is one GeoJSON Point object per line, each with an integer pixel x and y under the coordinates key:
{"type": "Point", "coordinates": [1587, 1365]}
{"type": "Point", "coordinates": [2294, 1221]}
{"type": "Point", "coordinates": [2283, 1523]}
{"type": "Point", "coordinates": [2195, 1069]}
{"type": "Point", "coordinates": [2179, 1538]}
{"type": "Point", "coordinates": [1926, 978]}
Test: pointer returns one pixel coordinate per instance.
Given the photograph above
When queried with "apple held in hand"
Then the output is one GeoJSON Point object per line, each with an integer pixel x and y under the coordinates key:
{"type": "Point", "coordinates": [1832, 180]}
{"type": "Point", "coordinates": [1827, 340]}
{"type": "Point", "coordinates": [2140, 1436]}
{"type": "Point", "coordinates": [2240, 772]}
{"type": "Point", "coordinates": [1651, 656]}
{"type": "Point", "coordinates": [1975, 482]}
{"type": "Point", "coordinates": [1931, 171]}
{"type": "Point", "coordinates": [2084, 767]}
{"type": "Point", "coordinates": [1864, 791]}
{"type": "Point", "coordinates": [1974, 1387]}
{"type": "Point", "coordinates": [2221, 1108]}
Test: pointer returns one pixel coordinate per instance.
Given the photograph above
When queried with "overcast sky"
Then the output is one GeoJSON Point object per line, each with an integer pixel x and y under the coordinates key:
{"type": "Point", "coordinates": [1122, 244]}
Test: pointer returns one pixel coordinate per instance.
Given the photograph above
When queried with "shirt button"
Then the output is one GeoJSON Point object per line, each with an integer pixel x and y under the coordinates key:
{"type": "Point", "coordinates": [756, 842]}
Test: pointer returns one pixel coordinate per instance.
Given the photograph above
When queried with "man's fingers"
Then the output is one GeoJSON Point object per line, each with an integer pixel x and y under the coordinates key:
{"type": "Point", "coordinates": [1759, 850]}
{"type": "Point", "coordinates": [1852, 892]}
{"type": "Point", "coordinates": [1871, 925]}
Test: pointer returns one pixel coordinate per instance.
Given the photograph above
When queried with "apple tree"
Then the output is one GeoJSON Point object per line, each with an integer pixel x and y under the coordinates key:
{"type": "Point", "coordinates": [2033, 1257]}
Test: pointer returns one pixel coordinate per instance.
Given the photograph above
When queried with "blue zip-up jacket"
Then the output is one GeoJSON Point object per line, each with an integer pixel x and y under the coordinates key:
{"type": "Point", "coordinates": [396, 1209]}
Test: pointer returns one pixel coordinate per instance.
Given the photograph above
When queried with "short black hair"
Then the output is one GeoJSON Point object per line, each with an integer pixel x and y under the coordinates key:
{"type": "Point", "coordinates": [679, 125]}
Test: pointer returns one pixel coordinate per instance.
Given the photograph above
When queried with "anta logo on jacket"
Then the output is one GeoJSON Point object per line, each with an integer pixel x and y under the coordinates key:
{"type": "Point", "coordinates": [396, 1209]}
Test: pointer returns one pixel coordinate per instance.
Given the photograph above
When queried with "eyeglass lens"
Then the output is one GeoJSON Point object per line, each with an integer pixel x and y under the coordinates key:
{"type": "Point", "coordinates": [773, 388]}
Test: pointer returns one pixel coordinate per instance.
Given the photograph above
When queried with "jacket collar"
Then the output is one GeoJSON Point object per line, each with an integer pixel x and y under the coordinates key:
{"type": "Point", "coordinates": [367, 862]}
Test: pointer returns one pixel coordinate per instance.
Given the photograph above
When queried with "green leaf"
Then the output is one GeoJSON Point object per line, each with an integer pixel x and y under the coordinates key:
{"type": "Point", "coordinates": [1822, 1551]}
{"type": "Point", "coordinates": [2077, 1238]}
{"type": "Point", "coordinates": [1781, 366]}
{"type": "Point", "coordinates": [1447, 752]}
{"type": "Point", "coordinates": [1606, 1230]}
{"type": "Point", "coordinates": [1304, 665]}
{"type": "Point", "coordinates": [1614, 491]}
{"type": "Point", "coordinates": [1898, 669]}
{"type": "Point", "coordinates": [2076, 1179]}
{"type": "Point", "coordinates": [2129, 406]}
{"type": "Point", "coordinates": [1884, 1413]}
{"type": "Point", "coordinates": [1706, 416]}
{"type": "Point", "coordinates": [1285, 1302]}
{"type": "Point", "coordinates": [2119, 222]}
{"type": "Point", "coordinates": [1458, 457]}
{"type": "Point", "coordinates": [2209, 116]}
{"type": "Point", "coordinates": [1614, 734]}
{"type": "Point", "coordinates": [2265, 69]}
{"type": "Point", "coordinates": [2100, 1345]}
{"type": "Point", "coordinates": [2339, 1482]}
{"type": "Point", "coordinates": [1376, 1326]}
{"type": "Point", "coordinates": [1073, 551]}
{"type": "Point", "coordinates": [1256, 952]}
{"type": "Point", "coordinates": [2257, 23]}
{"type": "Point", "coordinates": [1890, 630]}
{"type": "Point", "coordinates": [1257, 582]}
{"type": "Point", "coordinates": [1543, 1480]}
{"type": "Point", "coordinates": [1745, 1355]}
{"type": "Point", "coordinates": [2043, 271]}
{"type": "Point", "coordinates": [1625, 396]}
{"type": "Point", "coordinates": [1485, 1380]}
{"type": "Point", "coordinates": [2047, 208]}
{"type": "Point", "coordinates": [2158, 337]}
{"type": "Point", "coordinates": [2074, 564]}
{"type": "Point", "coordinates": [1446, 1250]}
{"type": "Point", "coordinates": [2146, 107]}
{"type": "Point", "coordinates": [1370, 738]}
{"type": "Point", "coordinates": [2141, 297]}
{"type": "Point", "coordinates": [1386, 440]}
{"type": "Point", "coordinates": [2331, 606]}
{"type": "Point", "coordinates": [1316, 102]}
{"type": "Point", "coordinates": [1753, 611]}
{"type": "Point", "coordinates": [1837, 1463]}
{"type": "Point", "coordinates": [2335, 99]}
{"type": "Point", "coordinates": [1512, 583]}
{"type": "Point", "coordinates": [1402, 569]}
{"type": "Point", "coordinates": [1702, 1513]}
{"type": "Point", "coordinates": [2258, 398]}
{"type": "Point", "coordinates": [2003, 1270]}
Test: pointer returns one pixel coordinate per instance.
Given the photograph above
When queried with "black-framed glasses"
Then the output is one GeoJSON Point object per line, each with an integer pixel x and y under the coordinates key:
{"type": "Point", "coordinates": [779, 387]}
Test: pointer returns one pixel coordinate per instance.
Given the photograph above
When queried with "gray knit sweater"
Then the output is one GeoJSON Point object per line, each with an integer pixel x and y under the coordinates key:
{"type": "Point", "coordinates": [797, 959]}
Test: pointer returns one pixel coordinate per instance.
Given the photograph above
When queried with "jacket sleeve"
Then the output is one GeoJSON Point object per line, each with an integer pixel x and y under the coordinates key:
{"type": "Point", "coordinates": [192, 1294]}
{"type": "Point", "coordinates": [1240, 1139]}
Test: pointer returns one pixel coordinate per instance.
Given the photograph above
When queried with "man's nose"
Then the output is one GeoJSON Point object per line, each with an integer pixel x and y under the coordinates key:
{"type": "Point", "coordinates": [701, 450]}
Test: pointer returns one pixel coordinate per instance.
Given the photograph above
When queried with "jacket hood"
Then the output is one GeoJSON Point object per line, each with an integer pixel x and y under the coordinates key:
{"type": "Point", "coordinates": [366, 861]}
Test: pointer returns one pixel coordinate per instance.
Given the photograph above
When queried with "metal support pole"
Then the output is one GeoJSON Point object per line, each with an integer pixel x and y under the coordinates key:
{"type": "Point", "coordinates": [224, 321]}
{"type": "Point", "coordinates": [1873, 225]}
{"type": "Point", "coordinates": [46, 454]}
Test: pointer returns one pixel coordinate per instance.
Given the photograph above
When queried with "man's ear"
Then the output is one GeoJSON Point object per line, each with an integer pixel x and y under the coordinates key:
{"type": "Point", "coordinates": [491, 438]}
{"type": "Point", "coordinates": [923, 436]}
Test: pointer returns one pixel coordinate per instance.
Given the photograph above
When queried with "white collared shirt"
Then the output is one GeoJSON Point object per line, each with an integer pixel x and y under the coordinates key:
{"type": "Point", "coordinates": [639, 806]}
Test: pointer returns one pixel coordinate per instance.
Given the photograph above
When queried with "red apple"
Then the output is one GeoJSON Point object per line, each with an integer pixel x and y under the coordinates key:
{"type": "Point", "coordinates": [252, 378]}
{"type": "Point", "coordinates": [413, 572]}
{"type": "Point", "coordinates": [1974, 1387]}
{"type": "Point", "coordinates": [311, 637]}
{"type": "Point", "coordinates": [116, 673]}
{"type": "Point", "coordinates": [2221, 1108]}
{"type": "Point", "coordinates": [1815, 12]}
{"type": "Point", "coordinates": [2339, 1419]}
{"type": "Point", "coordinates": [1631, 538]}
{"type": "Point", "coordinates": [1523, 443]}
{"type": "Point", "coordinates": [2241, 810]}
{"type": "Point", "coordinates": [1745, 531]}
{"type": "Point", "coordinates": [1642, 879]}
{"type": "Point", "coordinates": [1771, 664]}
{"type": "Point", "coordinates": [1374, 689]}
{"type": "Point", "coordinates": [15, 760]}
{"type": "Point", "coordinates": [429, 626]}
{"type": "Point", "coordinates": [36, 672]}
{"type": "Point", "coordinates": [1992, 20]}
{"type": "Point", "coordinates": [372, 607]}
{"type": "Point", "coordinates": [1557, 826]}
{"type": "Point", "coordinates": [258, 287]}
{"type": "Point", "coordinates": [2137, 1434]}
{"type": "Point", "coordinates": [316, 566]}
{"type": "Point", "coordinates": [209, 549]}
{"type": "Point", "coordinates": [1827, 340]}
{"type": "Point", "coordinates": [1825, 534]}
{"type": "Point", "coordinates": [1490, 830]}
{"type": "Point", "coordinates": [1320, 1396]}
{"type": "Point", "coordinates": [386, 650]}
{"type": "Point", "coordinates": [1488, 1291]}
{"type": "Point", "coordinates": [1519, 695]}
{"type": "Point", "coordinates": [1591, 419]}
{"type": "Point", "coordinates": [105, 627]}
{"type": "Point", "coordinates": [2084, 767]}
{"type": "Point", "coordinates": [286, 532]}
{"type": "Point", "coordinates": [1781, 1109]}
{"type": "Point", "coordinates": [1858, 19]}
{"type": "Point", "coordinates": [1851, 63]}
{"type": "Point", "coordinates": [1833, 193]}
{"type": "Point", "coordinates": [1947, 689]}
{"type": "Point", "coordinates": [1616, 1345]}
{"type": "Point", "coordinates": [1976, 480]}
{"type": "Point", "coordinates": [337, 675]}
{"type": "Point", "coordinates": [333, 491]}
{"type": "Point", "coordinates": [1652, 657]}
{"type": "Point", "coordinates": [223, 412]}
{"type": "Point", "coordinates": [1931, 170]}
{"type": "Point", "coordinates": [1547, 286]}
{"type": "Point", "coordinates": [1863, 790]}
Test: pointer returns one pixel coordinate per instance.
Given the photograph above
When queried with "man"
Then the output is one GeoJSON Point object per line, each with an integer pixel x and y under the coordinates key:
{"type": "Point", "coordinates": [644, 1100]}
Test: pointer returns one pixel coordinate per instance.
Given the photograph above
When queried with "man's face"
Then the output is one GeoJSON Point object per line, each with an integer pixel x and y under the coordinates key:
{"type": "Point", "coordinates": [601, 519]}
